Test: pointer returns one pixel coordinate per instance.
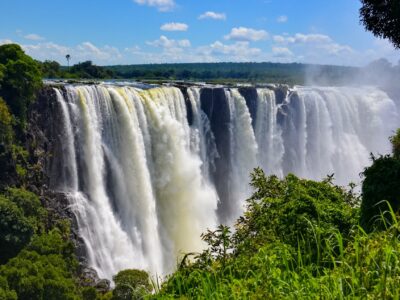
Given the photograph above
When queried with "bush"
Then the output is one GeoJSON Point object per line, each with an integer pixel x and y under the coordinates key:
{"type": "Point", "coordinates": [131, 284]}
{"type": "Point", "coordinates": [5, 293]}
{"type": "Point", "coordinates": [21, 78]}
{"type": "Point", "coordinates": [381, 183]}
{"type": "Point", "coordinates": [290, 243]}
{"type": "Point", "coordinates": [31, 206]}
{"type": "Point", "coordinates": [15, 229]}
{"type": "Point", "coordinates": [395, 140]}
{"type": "Point", "coordinates": [44, 270]}
{"type": "Point", "coordinates": [6, 131]}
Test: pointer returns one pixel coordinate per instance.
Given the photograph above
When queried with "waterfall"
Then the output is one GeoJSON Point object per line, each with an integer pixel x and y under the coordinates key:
{"type": "Point", "coordinates": [147, 171]}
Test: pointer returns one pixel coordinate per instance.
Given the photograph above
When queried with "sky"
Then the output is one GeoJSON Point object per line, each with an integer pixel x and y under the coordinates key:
{"type": "Point", "coordinates": [110, 32]}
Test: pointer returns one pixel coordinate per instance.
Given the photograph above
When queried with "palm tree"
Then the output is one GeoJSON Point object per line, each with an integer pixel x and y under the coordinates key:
{"type": "Point", "coordinates": [68, 57]}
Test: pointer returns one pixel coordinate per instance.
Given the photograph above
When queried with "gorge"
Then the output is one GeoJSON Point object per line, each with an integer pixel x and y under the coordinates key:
{"type": "Point", "coordinates": [146, 170]}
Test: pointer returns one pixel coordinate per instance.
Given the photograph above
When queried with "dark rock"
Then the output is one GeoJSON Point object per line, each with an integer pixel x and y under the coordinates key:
{"type": "Point", "coordinates": [281, 93]}
{"type": "Point", "coordinates": [88, 277]}
{"type": "Point", "coordinates": [250, 95]}
{"type": "Point", "coordinates": [103, 286]}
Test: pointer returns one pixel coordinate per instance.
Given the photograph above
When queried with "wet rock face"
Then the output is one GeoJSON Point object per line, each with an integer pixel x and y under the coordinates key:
{"type": "Point", "coordinates": [189, 108]}
{"type": "Point", "coordinates": [250, 95]}
{"type": "Point", "coordinates": [90, 278]}
{"type": "Point", "coordinates": [215, 104]}
{"type": "Point", "coordinates": [43, 143]}
{"type": "Point", "coordinates": [281, 93]}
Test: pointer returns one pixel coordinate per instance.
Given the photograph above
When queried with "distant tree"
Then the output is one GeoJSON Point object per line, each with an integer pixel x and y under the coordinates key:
{"type": "Point", "coordinates": [382, 18]}
{"type": "Point", "coordinates": [50, 69]}
{"type": "Point", "coordinates": [131, 285]}
{"type": "Point", "coordinates": [87, 69]}
{"type": "Point", "coordinates": [68, 57]}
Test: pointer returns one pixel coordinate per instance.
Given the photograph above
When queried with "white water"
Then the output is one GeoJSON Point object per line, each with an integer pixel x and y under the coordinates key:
{"type": "Point", "coordinates": [141, 179]}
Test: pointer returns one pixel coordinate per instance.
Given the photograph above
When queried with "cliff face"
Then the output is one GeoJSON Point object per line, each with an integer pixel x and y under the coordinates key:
{"type": "Point", "coordinates": [43, 142]}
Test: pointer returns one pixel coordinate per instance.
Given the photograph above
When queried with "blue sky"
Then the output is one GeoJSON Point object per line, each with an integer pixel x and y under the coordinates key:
{"type": "Point", "coordinates": [159, 31]}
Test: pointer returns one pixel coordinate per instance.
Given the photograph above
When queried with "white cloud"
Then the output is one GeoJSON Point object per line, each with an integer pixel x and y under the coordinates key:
{"type": "Point", "coordinates": [33, 37]}
{"type": "Point", "coordinates": [161, 5]}
{"type": "Point", "coordinates": [164, 42]}
{"type": "Point", "coordinates": [246, 34]}
{"type": "Point", "coordinates": [315, 48]}
{"type": "Point", "coordinates": [282, 19]}
{"type": "Point", "coordinates": [239, 51]}
{"type": "Point", "coordinates": [6, 41]}
{"type": "Point", "coordinates": [84, 51]}
{"type": "Point", "coordinates": [174, 27]}
{"type": "Point", "coordinates": [282, 52]}
{"type": "Point", "coordinates": [212, 15]}
{"type": "Point", "coordinates": [300, 38]}
{"type": "Point", "coordinates": [301, 47]}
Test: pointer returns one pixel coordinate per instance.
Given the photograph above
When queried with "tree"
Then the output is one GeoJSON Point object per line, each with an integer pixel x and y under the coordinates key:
{"type": "Point", "coordinates": [50, 69]}
{"type": "Point", "coordinates": [15, 230]}
{"type": "Point", "coordinates": [381, 183]}
{"type": "Point", "coordinates": [68, 57]}
{"type": "Point", "coordinates": [395, 140]}
{"type": "Point", "coordinates": [20, 80]}
{"type": "Point", "coordinates": [131, 284]}
{"type": "Point", "coordinates": [382, 18]}
{"type": "Point", "coordinates": [43, 270]}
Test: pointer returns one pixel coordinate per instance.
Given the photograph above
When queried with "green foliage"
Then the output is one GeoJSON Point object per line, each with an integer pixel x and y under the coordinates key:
{"type": "Point", "coordinates": [88, 70]}
{"type": "Point", "coordinates": [382, 18]}
{"type": "Point", "coordinates": [50, 69]}
{"type": "Point", "coordinates": [381, 183]}
{"type": "Point", "coordinates": [5, 293]}
{"type": "Point", "coordinates": [6, 137]}
{"type": "Point", "coordinates": [298, 239]}
{"type": "Point", "coordinates": [6, 131]}
{"type": "Point", "coordinates": [395, 140]}
{"type": "Point", "coordinates": [31, 207]}
{"type": "Point", "coordinates": [37, 259]}
{"type": "Point", "coordinates": [44, 270]}
{"type": "Point", "coordinates": [15, 229]}
{"type": "Point", "coordinates": [290, 210]}
{"type": "Point", "coordinates": [21, 80]}
{"type": "Point", "coordinates": [131, 284]}
{"type": "Point", "coordinates": [21, 215]}
{"type": "Point", "coordinates": [381, 187]}
{"type": "Point", "coordinates": [293, 73]}
{"type": "Point", "coordinates": [39, 264]}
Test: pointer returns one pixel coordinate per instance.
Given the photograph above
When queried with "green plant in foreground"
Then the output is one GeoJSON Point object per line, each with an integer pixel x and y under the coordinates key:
{"type": "Point", "coordinates": [299, 239]}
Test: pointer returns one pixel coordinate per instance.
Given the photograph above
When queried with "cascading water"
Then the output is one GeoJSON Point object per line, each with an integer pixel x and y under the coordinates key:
{"type": "Point", "coordinates": [147, 171]}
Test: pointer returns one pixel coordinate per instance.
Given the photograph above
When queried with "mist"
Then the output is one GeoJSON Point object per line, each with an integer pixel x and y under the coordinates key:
{"type": "Point", "coordinates": [379, 73]}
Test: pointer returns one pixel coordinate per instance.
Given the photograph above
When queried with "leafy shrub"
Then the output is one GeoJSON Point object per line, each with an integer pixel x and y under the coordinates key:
{"type": "Point", "coordinates": [395, 140]}
{"type": "Point", "coordinates": [20, 79]}
{"type": "Point", "coordinates": [131, 284]}
{"type": "Point", "coordinates": [31, 206]}
{"type": "Point", "coordinates": [381, 183]}
{"type": "Point", "coordinates": [299, 239]}
{"type": "Point", "coordinates": [5, 293]}
{"type": "Point", "coordinates": [15, 229]}
{"type": "Point", "coordinates": [44, 270]}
